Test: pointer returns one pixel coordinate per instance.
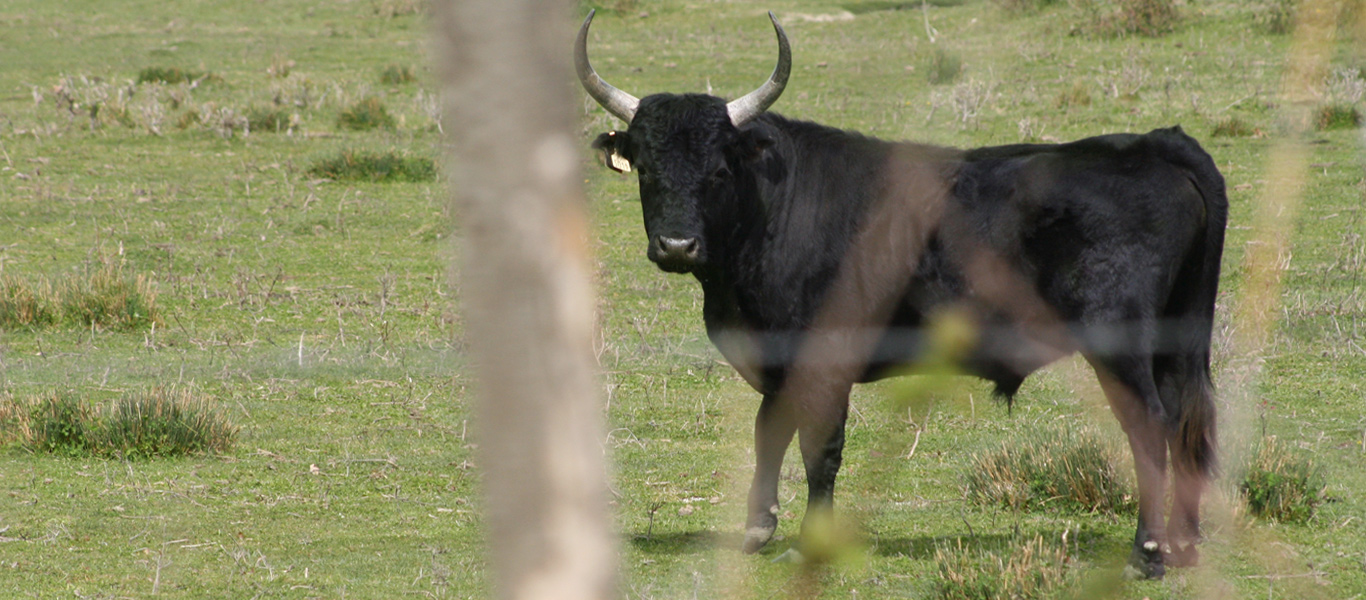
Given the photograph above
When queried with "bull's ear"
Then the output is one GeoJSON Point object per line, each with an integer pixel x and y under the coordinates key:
{"type": "Point", "coordinates": [610, 144]}
{"type": "Point", "coordinates": [753, 143]}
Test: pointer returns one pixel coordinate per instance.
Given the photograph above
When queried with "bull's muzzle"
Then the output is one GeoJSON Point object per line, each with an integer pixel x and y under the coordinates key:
{"type": "Point", "coordinates": [677, 255]}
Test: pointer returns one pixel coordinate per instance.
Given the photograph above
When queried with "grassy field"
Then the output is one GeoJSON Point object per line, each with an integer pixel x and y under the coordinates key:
{"type": "Point", "coordinates": [321, 317]}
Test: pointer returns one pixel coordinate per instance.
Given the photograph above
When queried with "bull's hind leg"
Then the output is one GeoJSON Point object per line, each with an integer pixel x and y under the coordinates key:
{"type": "Point", "coordinates": [1129, 386]}
{"type": "Point", "coordinates": [1184, 385]}
{"type": "Point", "coordinates": [773, 430]}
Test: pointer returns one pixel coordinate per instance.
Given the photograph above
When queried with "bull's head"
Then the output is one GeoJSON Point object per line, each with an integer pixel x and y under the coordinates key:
{"type": "Point", "coordinates": [686, 150]}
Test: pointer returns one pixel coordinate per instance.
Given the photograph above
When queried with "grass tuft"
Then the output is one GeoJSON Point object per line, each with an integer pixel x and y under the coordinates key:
{"type": "Point", "coordinates": [1337, 116]}
{"type": "Point", "coordinates": [1035, 569]}
{"type": "Point", "coordinates": [1282, 485]}
{"type": "Point", "coordinates": [172, 75]}
{"type": "Point", "coordinates": [1073, 467]}
{"type": "Point", "coordinates": [163, 422]}
{"type": "Point", "coordinates": [1114, 18]}
{"type": "Point", "coordinates": [274, 120]}
{"type": "Point", "coordinates": [397, 75]}
{"type": "Point", "coordinates": [386, 167]}
{"type": "Point", "coordinates": [364, 115]}
{"type": "Point", "coordinates": [57, 424]}
{"type": "Point", "coordinates": [101, 297]}
{"type": "Point", "coordinates": [1233, 127]}
{"type": "Point", "coordinates": [1025, 6]}
{"type": "Point", "coordinates": [1074, 96]}
{"type": "Point", "coordinates": [943, 67]}
{"type": "Point", "coordinates": [104, 297]}
{"type": "Point", "coordinates": [160, 422]}
{"type": "Point", "coordinates": [26, 304]}
{"type": "Point", "coordinates": [1274, 16]}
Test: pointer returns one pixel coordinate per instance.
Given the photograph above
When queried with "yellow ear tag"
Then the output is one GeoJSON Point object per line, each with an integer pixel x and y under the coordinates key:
{"type": "Point", "coordinates": [619, 162]}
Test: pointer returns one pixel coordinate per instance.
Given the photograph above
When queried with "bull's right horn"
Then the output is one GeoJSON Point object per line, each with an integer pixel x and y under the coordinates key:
{"type": "Point", "coordinates": [621, 104]}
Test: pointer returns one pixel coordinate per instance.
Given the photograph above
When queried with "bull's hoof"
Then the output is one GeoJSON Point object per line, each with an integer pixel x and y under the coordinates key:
{"type": "Point", "coordinates": [1146, 562]}
{"type": "Point", "coordinates": [1182, 556]}
{"type": "Point", "coordinates": [756, 538]}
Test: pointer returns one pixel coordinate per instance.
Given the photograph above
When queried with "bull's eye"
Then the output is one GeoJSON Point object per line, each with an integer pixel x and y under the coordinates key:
{"type": "Point", "coordinates": [720, 174]}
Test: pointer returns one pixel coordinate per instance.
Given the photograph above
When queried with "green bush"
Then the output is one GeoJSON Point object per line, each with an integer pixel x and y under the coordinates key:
{"type": "Point", "coordinates": [1074, 96]}
{"type": "Point", "coordinates": [272, 120]}
{"type": "Point", "coordinates": [943, 66]}
{"type": "Point", "coordinates": [1280, 484]}
{"type": "Point", "coordinates": [104, 297]}
{"type": "Point", "coordinates": [397, 75]}
{"type": "Point", "coordinates": [26, 304]}
{"type": "Point", "coordinates": [1337, 116]}
{"type": "Point", "coordinates": [1034, 569]}
{"type": "Point", "coordinates": [58, 424]}
{"type": "Point", "coordinates": [366, 114]}
{"type": "Point", "coordinates": [1232, 127]}
{"type": "Point", "coordinates": [1274, 16]}
{"type": "Point", "coordinates": [1023, 6]}
{"type": "Point", "coordinates": [163, 422]}
{"type": "Point", "coordinates": [1151, 18]}
{"type": "Point", "coordinates": [1073, 467]}
{"type": "Point", "coordinates": [156, 423]}
{"type": "Point", "coordinates": [172, 75]}
{"type": "Point", "coordinates": [353, 165]}
{"type": "Point", "coordinates": [101, 296]}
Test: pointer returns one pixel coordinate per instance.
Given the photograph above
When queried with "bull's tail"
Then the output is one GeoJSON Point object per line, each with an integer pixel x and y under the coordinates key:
{"type": "Point", "coordinates": [1183, 367]}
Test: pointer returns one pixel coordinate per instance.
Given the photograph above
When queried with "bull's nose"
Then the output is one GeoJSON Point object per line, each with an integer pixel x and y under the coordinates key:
{"type": "Point", "coordinates": [677, 249]}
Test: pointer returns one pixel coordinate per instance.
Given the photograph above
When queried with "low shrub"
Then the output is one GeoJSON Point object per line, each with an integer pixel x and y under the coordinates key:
{"type": "Point", "coordinates": [160, 422]}
{"type": "Point", "coordinates": [104, 297]}
{"type": "Point", "coordinates": [272, 120]}
{"type": "Point", "coordinates": [1232, 127]}
{"type": "Point", "coordinates": [163, 422]}
{"type": "Point", "coordinates": [1280, 484]}
{"type": "Point", "coordinates": [943, 66]}
{"type": "Point", "coordinates": [1034, 569]}
{"type": "Point", "coordinates": [26, 303]}
{"type": "Point", "coordinates": [353, 165]}
{"type": "Point", "coordinates": [1110, 18]}
{"type": "Point", "coordinates": [173, 75]}
{"type": "Point", "coordinates": [58, 424]}
{"type": "Point", "coordinates": [101, 296]}
{"type": "Point", "coordinates": [1024, 6]}
{"type": "Point", "coordinates": [1074, 96]}
{"type": "Point", "coordinates": [364, 115]}
{"type": "Point", "coordinates": [1274, 16]}
{"type": "Point", "coordinates": [1074, 467]}
{"type": "Point", "coordinates": [1337, 116]}
{"type": "Point", "coordinates": [397, 75]}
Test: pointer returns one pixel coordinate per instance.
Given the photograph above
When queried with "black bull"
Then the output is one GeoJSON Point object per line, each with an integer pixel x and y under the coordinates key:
{"type": "Point", "coordinates": [820, 252]}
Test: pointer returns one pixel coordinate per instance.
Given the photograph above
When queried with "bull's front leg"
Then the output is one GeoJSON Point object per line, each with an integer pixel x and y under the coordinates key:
{"type": "Point", "coordinates": [822, 445]}
{"type": "Point", "coordinates": [773, 430]}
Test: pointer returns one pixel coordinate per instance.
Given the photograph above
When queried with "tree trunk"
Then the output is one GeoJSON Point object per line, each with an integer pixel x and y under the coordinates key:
{"type": "Point", "coordinates": [527, 295]}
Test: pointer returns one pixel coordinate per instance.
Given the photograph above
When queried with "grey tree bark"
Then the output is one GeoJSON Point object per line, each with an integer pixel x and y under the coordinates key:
{"type": "Point", "coordinates": [527, 295]}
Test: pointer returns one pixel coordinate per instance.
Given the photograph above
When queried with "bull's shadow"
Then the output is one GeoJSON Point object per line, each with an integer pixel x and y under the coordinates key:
{"type": "Point", "coordinates": [916, 547]}
{"type": "Point", "coordinates": [685, 542]}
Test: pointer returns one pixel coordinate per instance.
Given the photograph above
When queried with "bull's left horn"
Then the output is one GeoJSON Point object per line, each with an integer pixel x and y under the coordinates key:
{"type": "Point", "coordinates": [744, 109]}
{"type": "Point", "coordinates": [621, 104]}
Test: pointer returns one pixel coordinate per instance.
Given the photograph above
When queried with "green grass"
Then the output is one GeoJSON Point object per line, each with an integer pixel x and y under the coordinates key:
{"type": "Point", "coordinates": [397, 75]}
{"type": "Point", "coordinates": [369, 113]}
{"type": "Point", "coordinates": [154, 423]}
{"type": "Point", "coordinates": [1071, 467]}
{"type": "Point", "coordinates": [375, 167]}
{"type": "Point", "coordinates": [319, 315]}
{"type": "Point", "coordinates": [1281, 484]}
{"type": "Point", "coordinates": [99, 296]}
